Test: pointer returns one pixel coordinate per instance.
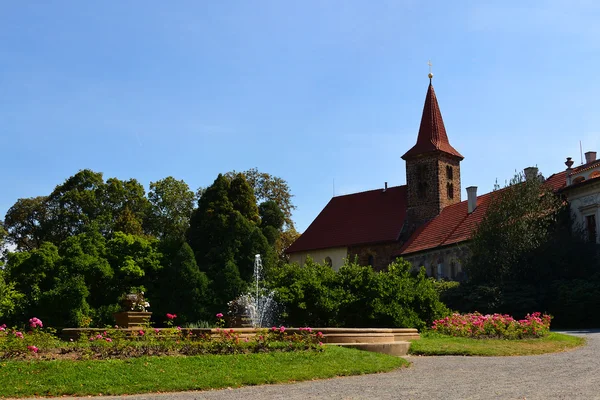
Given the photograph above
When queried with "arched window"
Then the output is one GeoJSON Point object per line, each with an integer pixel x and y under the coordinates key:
{"type": "Point", "coordinates": [328, 261]}
{"type": "Point", "coordinates": [594, 174]}
{"type": "Point", "coordinates": [371, 260]}
{"type": "Point", "coordinates": [450, 190]}
{"type": "Point", "coordinates": [449, 172]}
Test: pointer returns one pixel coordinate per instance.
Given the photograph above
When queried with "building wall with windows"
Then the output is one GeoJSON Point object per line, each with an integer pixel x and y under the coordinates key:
{"type": "Point", "coordinates": [585, 207]}
{"type": "Point", "coordinates": [335, 257]}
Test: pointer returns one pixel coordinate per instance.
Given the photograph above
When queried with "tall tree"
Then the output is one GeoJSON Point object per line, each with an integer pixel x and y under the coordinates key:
{"type": "Point", "coordinates": [268, 187]}
{"type": "Point", "coordinates": [74, 205]}
{"type": "Point", "coordinates": [183, 288]}
{"type": "Point", "coordinates": [224, 240]}
{"type": "Point", "coordinates": [26, 223]}
{"type": "Point", "coordinates": [172, 203]}
{"type": "Point", "coordinates": [124, 206]}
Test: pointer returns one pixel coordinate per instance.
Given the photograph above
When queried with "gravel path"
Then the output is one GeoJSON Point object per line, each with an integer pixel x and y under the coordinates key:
{"type": "Point", "coordinates": [570, 375]}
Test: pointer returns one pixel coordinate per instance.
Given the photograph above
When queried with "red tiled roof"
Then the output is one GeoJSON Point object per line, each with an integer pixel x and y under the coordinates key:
{"type": "Point", "coordinates": [367, 217]}
{"type": "Point", "coordinates": [454, 224]}
{"type": "Point", "coordinates": [432, 133]}
{"type": "Point", "coordinates": [586, 167]}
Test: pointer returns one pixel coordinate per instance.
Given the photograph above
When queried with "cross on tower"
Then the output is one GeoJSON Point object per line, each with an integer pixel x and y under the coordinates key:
{"type": "Point", "coordinates": [430, 74]}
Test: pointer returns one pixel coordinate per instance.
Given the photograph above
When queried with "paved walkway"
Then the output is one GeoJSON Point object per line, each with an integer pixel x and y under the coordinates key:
{"type": "Point", "coordinates": [570, 375]}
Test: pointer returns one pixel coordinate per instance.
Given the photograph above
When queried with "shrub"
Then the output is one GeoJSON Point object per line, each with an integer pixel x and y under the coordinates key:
{"type": "Point", "coordinates": [499, 326]}
{"type": "Point", "coordinates": [356, 296]}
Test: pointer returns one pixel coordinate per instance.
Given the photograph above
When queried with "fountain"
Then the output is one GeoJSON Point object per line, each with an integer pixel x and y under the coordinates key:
{"type": "Point", "coordinates": [256, 309]}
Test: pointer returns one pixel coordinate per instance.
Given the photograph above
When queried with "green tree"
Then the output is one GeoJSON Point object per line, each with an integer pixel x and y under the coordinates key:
{"type": "Point", "coordinates": [268, 187]}
{"type": "Point", "coordinates": [26, 223]}
{"type": "Point", "coordinates": [10, 298]}
{"type": "Point", "coordinates": [135, 261]}
{"type": "Point", "coordinates": [49, 291]}
{"type": "Point", "coordinates": [74, 205]}
{"type": "Point", "coordinates": [225, 240]}
{"type": "Point", "coordinates": [123, 206]}
{"type": "Point", "coordinates": [172, 203]}
{"type": "Point", "coordinates": [520, 221]}
{"type": "Point", "coordinates": [182, 288]}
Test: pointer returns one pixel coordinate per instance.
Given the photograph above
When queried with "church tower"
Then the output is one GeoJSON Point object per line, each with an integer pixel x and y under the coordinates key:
{"type": "Point", "coordinates": [432, 166]}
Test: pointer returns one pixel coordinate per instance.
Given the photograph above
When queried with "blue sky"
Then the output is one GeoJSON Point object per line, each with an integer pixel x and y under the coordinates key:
{"type": "Point", "coordinates": [311, 91]}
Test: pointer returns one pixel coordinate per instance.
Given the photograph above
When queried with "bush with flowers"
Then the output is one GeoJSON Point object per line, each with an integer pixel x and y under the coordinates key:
{"type": "Point", "coordinates": [476, 325]}
{"type": "Point", "coordinates": [40, 342]}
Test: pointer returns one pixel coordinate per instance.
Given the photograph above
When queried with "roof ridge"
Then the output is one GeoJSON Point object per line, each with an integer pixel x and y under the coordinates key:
{"type": "Point", "coordinates": [367, 191]}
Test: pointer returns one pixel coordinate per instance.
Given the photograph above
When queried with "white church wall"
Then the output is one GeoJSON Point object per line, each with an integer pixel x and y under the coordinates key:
{"type": "Point", "coordinates": [337, 255]}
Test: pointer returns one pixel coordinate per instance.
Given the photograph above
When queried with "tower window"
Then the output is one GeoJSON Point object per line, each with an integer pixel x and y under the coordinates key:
{"type": "Point", "coordinates": [371, 260]}
{"type": "Point", "coordinates": [450, 190]}
{"type": "Point", "coordinates": [449, 172]}
{"type": "Point", "coordinates": [328, 261]}
{"type": "Point", "coordinates": [422, 171]}
{"type": "Point", "coordinates": [422, 189]}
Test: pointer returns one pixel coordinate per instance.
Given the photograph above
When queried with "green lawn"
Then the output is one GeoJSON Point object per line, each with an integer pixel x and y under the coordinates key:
{"type": "Point", "coordinates": [161, 374]}
{"type": "Point", "coordinates": [436, 345]}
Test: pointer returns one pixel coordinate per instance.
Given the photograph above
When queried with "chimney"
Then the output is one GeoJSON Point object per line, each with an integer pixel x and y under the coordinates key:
{"type": "Point", "coordinates": [530, 173]}
{"type": "Point", "coordinates": [385, 187]}
{"type": "Point", "coordinates": [472, 198]}
{"type": "Point", "coordinates": [590, 156]}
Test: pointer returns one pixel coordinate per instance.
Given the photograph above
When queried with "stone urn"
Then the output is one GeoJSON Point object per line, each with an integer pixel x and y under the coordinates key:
{"type": "Point", "coordinates": [132, 319]}
{"type": "Point", "coordinates": [134, 312]}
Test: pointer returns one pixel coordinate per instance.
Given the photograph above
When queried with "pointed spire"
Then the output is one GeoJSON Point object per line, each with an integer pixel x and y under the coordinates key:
{"type": "Point", "coordinates": [432, 133]}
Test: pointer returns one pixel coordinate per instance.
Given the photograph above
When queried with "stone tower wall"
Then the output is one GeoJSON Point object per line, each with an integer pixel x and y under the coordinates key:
{"type": "Point", "coordinates": [427, 180]}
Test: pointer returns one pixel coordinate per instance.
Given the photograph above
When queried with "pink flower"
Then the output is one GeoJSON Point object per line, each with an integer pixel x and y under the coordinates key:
{"type": "Point", "coordinates": [320, 343]}
{"type": "Point", "coordinates": [141, 332]}
{"type": "Point", "coordinates": [171, 316]}
{"type": "Point", "coordinates": [178, 328]}
{"type": "Point", "coordinates": [246, 340]}
{"type": "Point", "coordinates": [108, 339]}
{"type": "Point", "coordinates": [282, 329]}
{"type": "Point", "coordinates": [220, 315]}
{"type": "Point", "coordinates": [32, 349]}
{"type": "Point", "coordinates": [156, 330]}
{"type": "Point", "coordinates": [35, 322]}
{"type": "Point", "coordinates": [19, 335]}
{"type": "Point", "coordinates": [98, 336]}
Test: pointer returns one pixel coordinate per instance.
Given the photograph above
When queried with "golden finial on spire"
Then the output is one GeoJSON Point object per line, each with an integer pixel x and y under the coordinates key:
{"type": "Point", "coordinates": [430, 75]}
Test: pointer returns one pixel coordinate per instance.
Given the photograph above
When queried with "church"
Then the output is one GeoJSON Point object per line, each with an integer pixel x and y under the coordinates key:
{"type": "Point", "coordinates": [426, 222]}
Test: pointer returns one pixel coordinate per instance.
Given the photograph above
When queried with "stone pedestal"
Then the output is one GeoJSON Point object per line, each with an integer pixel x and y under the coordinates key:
{"type": "Point", "coordinates": [131, 319]}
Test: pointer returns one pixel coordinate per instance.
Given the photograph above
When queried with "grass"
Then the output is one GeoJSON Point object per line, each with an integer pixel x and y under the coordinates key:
{"type": "Point", "coordinates": [163, 374]}
{"type": "Point", "coordinates": [437, 345]}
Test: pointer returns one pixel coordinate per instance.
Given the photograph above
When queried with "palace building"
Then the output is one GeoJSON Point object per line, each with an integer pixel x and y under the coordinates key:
{"type": "Point", "coordinates": [426, 221]}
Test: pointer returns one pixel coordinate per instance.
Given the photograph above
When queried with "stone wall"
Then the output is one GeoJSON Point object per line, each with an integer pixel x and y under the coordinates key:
{"type": "Point", "coordinates": [427, 185]}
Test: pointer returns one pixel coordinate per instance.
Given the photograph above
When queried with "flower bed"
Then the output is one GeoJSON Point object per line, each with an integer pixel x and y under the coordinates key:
{"type": "Point", "coordinates": [42, 343]}
{"type": "Point", "coordinates": [476, 325]}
